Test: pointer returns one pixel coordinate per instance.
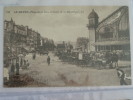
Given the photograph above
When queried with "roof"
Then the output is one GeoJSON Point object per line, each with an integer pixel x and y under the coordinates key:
{"type": "Point", "coordinates": [93, 14]}
{"type": "Point", "coordinates": [112, 14]}
{"type": "Point", "coordinates": [60, 45]}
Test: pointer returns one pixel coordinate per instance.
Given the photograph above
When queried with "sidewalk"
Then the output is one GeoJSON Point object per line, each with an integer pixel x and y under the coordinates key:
{"type": "Point", "coordinates": [124, 63]}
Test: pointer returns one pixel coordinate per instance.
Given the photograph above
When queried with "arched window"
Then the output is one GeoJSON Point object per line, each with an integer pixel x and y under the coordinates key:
{"type": "Point", "coordinates": [106, 32]}
{"type": "Point", "coordinates": [124, 26]}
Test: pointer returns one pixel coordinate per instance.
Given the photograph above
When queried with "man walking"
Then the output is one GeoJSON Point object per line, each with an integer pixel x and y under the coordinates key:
{"type": "Point", "coordinates": [48, 60]}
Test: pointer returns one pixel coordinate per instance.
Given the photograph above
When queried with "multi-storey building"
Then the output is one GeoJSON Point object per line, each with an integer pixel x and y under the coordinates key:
{"type": "Point", "coordinates": [19, 37]}
{"type": "Point", "coordinates": [21, 33]}
{"type": "Point", "coordinates": [8, 31]}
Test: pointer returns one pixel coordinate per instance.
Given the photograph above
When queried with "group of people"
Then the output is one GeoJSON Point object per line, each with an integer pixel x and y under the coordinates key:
{"type": "Point", "coordinates": [113, 59]}
{"type": "Point", "coordinates": [108, 58]}
{"type": "Point", "coordinates": [12, 67]}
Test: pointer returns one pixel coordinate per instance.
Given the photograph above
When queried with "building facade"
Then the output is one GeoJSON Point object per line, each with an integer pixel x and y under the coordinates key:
{"type": "Point", "coordinates": [110, 34]}
{"type": "Point", "coordinates": [30, 39]}
{"type": "Point", "coordinates": [18, 38]}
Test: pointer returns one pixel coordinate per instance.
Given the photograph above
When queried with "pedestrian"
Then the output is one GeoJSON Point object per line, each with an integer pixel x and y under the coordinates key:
{"type": "Point", "coordinates": [21, 62]}
{"type": "Point", "coordinates": [121, 75]}
{"type": "Point", "coordinates": [115, 60]}
{"type": "Point", "coordinates": [27, 64]}
{"type": "Point", "coordinates": [34, 56]}
{"type": "Point", "coordinates": [11, 72]}
{"type": "Point", "coordinates": [12, 68]}
{"type": "Point", "coordinates": [17, 68]}
{"type": "Point", "coordinates": [6, 72]}
{"type": "Point", "coordinates": [48, 60]}
{"type": "Point", "coordinates": [24, 62]}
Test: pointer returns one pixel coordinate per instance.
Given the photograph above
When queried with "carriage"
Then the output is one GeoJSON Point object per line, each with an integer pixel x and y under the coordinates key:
{"type": "Point", "coordinates": [95, 60]}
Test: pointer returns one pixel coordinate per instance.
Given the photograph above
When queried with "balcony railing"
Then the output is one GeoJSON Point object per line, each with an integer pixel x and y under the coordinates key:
{"type": "Point", "coordinates": [112, 39]}
{"type": "Point", "coordinates": [107, 39]}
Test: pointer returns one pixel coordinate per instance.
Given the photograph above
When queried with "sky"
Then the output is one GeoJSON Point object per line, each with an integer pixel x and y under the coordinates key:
{"type": "Point", "coordinates": [60, 23]}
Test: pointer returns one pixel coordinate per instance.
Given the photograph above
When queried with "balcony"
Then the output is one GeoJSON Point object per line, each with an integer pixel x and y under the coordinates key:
{"type": "Point", "coordinates": [123, 38]}
{"type": "Point", "coordinates": [112, 39]}
{"type": "Point", "coordinates": [106, 39]}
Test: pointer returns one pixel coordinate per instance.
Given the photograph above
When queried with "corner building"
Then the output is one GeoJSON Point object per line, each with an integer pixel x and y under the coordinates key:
{"type": "Point", "coordinates": [112, 33]}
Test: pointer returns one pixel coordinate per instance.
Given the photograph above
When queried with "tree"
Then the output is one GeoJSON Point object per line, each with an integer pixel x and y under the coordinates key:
{"type": "Point", "coordinates": [83, 43]}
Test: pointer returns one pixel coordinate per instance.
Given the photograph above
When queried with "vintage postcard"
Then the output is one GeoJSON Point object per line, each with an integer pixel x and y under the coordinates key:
{"type": "Point", "coordinates": [63, 46]}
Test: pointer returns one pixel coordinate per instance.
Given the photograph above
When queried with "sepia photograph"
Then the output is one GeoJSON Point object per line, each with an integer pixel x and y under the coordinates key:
{"type": "Point", "coordinates": [66, 46]}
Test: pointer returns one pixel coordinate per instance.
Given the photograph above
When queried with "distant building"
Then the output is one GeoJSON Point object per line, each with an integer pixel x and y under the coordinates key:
{"type": "Point", "coordinates": [43, 43]}
{"type": "Point", "coordinates": [61, 47]}
{"type": "Point", "coordinates": [112, 33]}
